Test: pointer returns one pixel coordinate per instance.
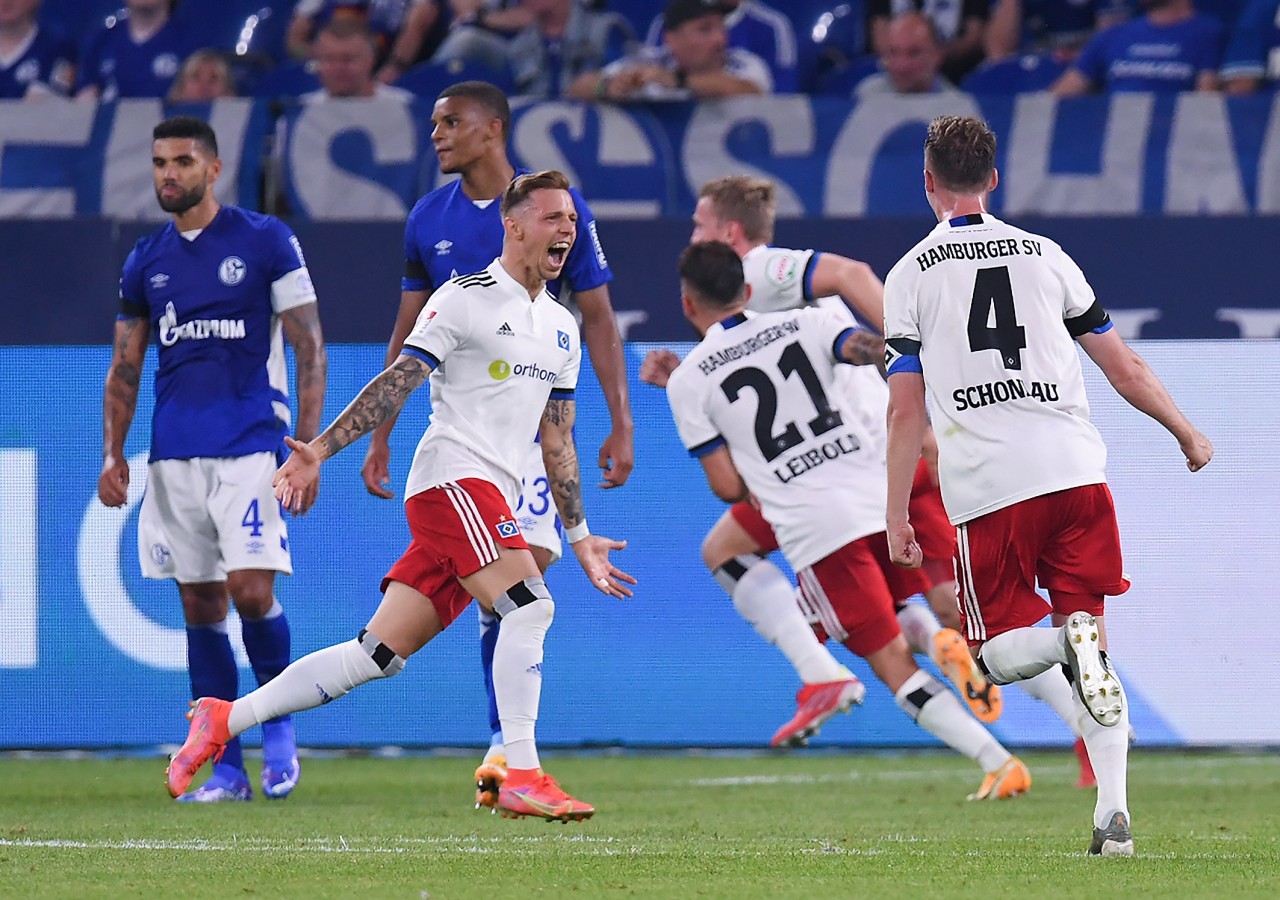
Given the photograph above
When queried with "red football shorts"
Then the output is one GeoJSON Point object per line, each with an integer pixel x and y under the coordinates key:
{"type": "Point", "coordinates": [1068, 540]}
{"type": "Point", "coordinates": [934, 532]}
{"type": "Point", "coordinates": [457, 528]}
{"type": "Point", "coordinates": [753, 523]}
{"type": "Point", "coordinates": [849, 595]}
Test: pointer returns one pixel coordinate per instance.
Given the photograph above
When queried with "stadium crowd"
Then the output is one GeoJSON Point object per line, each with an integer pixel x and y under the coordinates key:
{"type": "Point", "coordinates": [631, 50]}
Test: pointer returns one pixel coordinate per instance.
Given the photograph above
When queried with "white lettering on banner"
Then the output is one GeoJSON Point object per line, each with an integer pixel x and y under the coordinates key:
{"type": "Point", "coordinates": [621, 143]}
{"type": "Point", "coordinates": [125, 626]}
{"type": "Point", "coordinates": [628, 319]}
{"type": "Point", "coordinates": [1129, 322]}
{"type": "Point", "coordinates": [329, 192]}
{"type": "Point", "coordinates": [52, 124]}
{"type": "Point", "coordinates": [128, 191]}
{"type": "Point", "coordinates": [1269, 164]}
{"type": "Point", "coordinates": [1031, 188]}
{"type": "Point", "coordinates": [1253, 323]}
{"type": "Point", "coordinates": [1202, 175]}
{"type": "Point", "coordinates": [704, 154]}
{"type": "Point", "coordinates": [856, 146]}
{"type": "Point", "coordinates": [19, 565]}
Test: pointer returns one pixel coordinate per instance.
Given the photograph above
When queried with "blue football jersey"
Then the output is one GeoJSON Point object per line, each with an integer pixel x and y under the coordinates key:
{"type": "Point", "coordinates": [447, 234]}
{"type": "Point", "coordinates": [1254, 51]}
{"type": "Point", "coordinates": [1140, 56]}
{"type": "Point", "coordinates": [221, 387]}
{"type": "Point", "coordinates": [46, 64]}
{"type": "Point", "coordinates": [120, 68]}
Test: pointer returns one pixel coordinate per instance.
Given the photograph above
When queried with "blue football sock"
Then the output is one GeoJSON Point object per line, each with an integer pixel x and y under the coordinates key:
{"type": "Point", "coordinates": [212, 667]}
{"type": "Point", "coordinates": [266, 641]}
{"type": "Point", "coordinates": [489, 626]}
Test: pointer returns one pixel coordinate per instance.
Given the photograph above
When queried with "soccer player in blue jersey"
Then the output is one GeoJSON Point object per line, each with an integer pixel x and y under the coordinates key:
{"type": "Point", "coordinates": [218, 286]}
{"type": "Point", "coordinates": [455, 230]}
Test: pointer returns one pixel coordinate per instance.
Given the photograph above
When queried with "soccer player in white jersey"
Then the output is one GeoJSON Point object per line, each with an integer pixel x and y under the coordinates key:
{"type": "Point", "coordinates": [503, 357]}
{"type": "Point", "coordinates": [219, 285]}
{"type": "Point", "coordinates": [456, 229]}
{"type": "Point", "coordinates": [741, 211]}
{"type": "Point", "coordinates": [756, 403]}
{"type": "Point", "coordinates": [982, 316]}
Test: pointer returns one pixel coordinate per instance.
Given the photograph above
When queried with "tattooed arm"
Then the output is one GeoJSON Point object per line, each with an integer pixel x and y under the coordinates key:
{"type": "Point", "coordinates": [377, 401]}
{"type": "Point", "coordinates": [560, 456]}
{"type": "Point", "coordinates": [863, 347]}
{"type": "Point", "coordinates": [561, 459]}
{"type": "Point", "coordinates": [302, 331]}
{"type": "Point", "coordinates": [119, 400]}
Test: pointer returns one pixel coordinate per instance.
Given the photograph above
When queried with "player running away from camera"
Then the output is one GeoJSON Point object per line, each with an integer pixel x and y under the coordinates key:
{"type": "Point", "coordinates": [461, 496]}
{"type": "Point", "coordinates": [219, 286]}
{"type": "Point", "coordinates": [457, 229]}
{"type": "Point", "coordinates": [741, 211]}
{"type": "Point", "coordinates": [983, 316]}
{"type": "Point", "coordinates": [817, 479]}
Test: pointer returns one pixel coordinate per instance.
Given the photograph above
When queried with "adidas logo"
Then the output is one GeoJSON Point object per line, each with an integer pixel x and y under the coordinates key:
{"type": "Point", "coordinates": [506, 330]}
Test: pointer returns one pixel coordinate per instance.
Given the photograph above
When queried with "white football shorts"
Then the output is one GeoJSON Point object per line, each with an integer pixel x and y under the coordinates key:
{"type": "Point", "coordinates": [536, 510]}
{"type": "Point", "coordinates": [202, 518]}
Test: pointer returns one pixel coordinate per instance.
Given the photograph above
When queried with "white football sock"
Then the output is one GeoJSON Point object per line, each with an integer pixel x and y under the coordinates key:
{"type": "Point", "coordinates": [765, 598]}
{"type": "Point", "coordinates": [1051, 687]}
{"type": "Point", "coordinates": [1022, 653]}
{"type": "Point", "coordinates": [1108, 747]}
{"type": "Point", "coordinates": [919, 625]}
{"type": "Point", "coordinates": [314, 680]}
{"type": "Point", "coordinates": [517, 678]}
{"type": "Point", "coordinates": [939, 712]}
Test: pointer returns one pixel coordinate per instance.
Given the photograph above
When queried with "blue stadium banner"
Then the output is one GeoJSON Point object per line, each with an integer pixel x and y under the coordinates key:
{"type": "Point", "coordinates": [1124, 154]}
{"type": "Point", "coordinates": [93, 655]}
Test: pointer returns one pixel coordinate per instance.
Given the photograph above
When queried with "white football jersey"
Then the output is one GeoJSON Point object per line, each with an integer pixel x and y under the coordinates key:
{"type": "Point", "coordinates": [988, 313]}
{"type": "Point", "coordinates": [764, 385]}
{"type": "Point", "coordinates": [781, 279]}
{"type": "Point", "coordinates": [497, 358]}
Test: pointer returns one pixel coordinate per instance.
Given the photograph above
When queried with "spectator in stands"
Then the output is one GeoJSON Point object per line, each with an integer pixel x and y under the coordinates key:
{"type": "Point", "coordinates": [204, 76]}
{"type": "Point", "coordinates": [1171, 48]}
{"type": "Point", "coordinates": [912, 58]}
{"type": "Point", "coordinates": [482, 30]}
{"type": "Point", "coordinates": [1060, 27]}
{"type": "Point", "coordinates": [1253, 55]}
{"type": "Point", "coordinates": [345, 51]}
{"type": "Point", "coordinates": [695, 62]}
{"type": "Point", "coordinates": [960, 25]}
{"type": "Point", "coordinates": [402, 29]}
{"type": "Point", "coordinates": [763, 30]}
{"type": "Point", "coordinates": [565, 41]}
{"type": "Point", "coordinates": [138, 55]}
{"type": "Point", "coordinates": [33, 60]}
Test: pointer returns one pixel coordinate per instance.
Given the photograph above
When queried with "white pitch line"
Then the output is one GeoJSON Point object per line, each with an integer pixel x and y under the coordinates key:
{"type": "Point", "coordinates": [339, 844]}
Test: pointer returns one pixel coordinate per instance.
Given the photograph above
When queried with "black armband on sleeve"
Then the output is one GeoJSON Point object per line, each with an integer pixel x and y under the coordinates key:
{"type": "Point", "coordinates": [131, 310]}
{"type": "Point", "coordinates": [1091, 319]}
{"type": "Point", "coordinates": [414, 268]}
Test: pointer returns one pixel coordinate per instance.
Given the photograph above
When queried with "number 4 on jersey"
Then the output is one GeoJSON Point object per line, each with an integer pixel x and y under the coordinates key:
{"type": "Point", "coordinates": [992, 292]}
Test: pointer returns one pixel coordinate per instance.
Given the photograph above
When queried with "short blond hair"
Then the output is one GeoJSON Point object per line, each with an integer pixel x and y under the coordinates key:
{"type": "Point", "coordinates": [751, 202]}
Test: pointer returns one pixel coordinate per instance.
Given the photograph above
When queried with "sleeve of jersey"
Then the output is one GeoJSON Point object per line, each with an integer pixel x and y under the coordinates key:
{"type": "Point", "coordinates": [291, 282]}
{"type": "Point", "coordinates": [443, 324]}
{"type": "Point", "coordinates": [1081, 311]}
{"type": "Point", "coordinates": [587, 266]}
{"type": "Point", "coordinates": [901, 331]}
{"type": "Point", "coordinates": [697, 432]}
{"type": "Point", "coordinates": [416, 277]}
{"type": "Point", "coordinates": [133, 302]}
{"type": "Point", "coordinates": [567, 381]}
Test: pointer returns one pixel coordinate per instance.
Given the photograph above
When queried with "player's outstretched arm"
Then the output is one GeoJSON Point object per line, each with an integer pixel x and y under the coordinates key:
{"type": "Point", "coordinates": [561, 459]}
{"type": "Point", "coordinates": [1133, 380]}
{"type": "Point", "coordinates": [908, 420]}
{"type": "Point", "coordinates": [119, 401]}
{"type": "Point", "coordinates": [600, 334]}
{"type": "Point", "coordinates": [376, 471]}
{"type": "Point", "coordinates": [863, 347]}
{"type": "Point", "coordinates": [854, 282]}
{"type": "Point", "coordinates": [378, 400]}
{"type": "Point", "coordinates": [723, 476]}
{"type": "Point", "coordinates": [301, 326]}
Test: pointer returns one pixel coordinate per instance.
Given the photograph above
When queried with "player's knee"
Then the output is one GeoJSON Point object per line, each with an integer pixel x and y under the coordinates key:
{"type": "Point", "coordinates": [387, 660]}
{"type": "Point", "coordinates": [730, 572]}
{"type": "Point", "coordinates": [714, 551]}
{"type": "Point", "coordinates": [916, 692]}
{"type": "Point", "coordinates": [531, 594]}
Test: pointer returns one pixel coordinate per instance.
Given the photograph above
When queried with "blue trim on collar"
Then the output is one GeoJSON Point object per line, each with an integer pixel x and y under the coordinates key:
{"type": "Point", "coordinates": [960, 221]}
{"type": "Point", "coordinates": [733, 320]}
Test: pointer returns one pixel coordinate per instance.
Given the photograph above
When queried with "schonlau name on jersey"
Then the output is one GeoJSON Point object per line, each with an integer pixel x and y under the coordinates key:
{"type": "Point", "coordinates": [980, 395]}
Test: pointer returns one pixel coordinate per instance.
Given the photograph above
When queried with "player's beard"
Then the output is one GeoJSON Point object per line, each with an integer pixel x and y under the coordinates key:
{"type": "Point", "coordinates": [181, 203]}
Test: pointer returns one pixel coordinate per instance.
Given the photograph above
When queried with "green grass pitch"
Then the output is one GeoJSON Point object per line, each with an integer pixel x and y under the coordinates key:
{"type": "Point", "coordinates": [680, 825]}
